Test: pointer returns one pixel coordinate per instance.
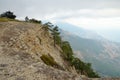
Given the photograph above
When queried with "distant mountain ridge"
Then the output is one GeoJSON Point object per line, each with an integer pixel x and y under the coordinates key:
{"type": "Point", "coordinates": [103, 54]}
{"type": "Point", "coordinates": [88, 34]}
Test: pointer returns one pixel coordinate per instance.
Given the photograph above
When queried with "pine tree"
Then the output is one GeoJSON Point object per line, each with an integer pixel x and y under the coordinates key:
{"type": "Point", "coordinates": [55, 33]}
{"type": "Point", "coordinates": [46, 27]}
{"type": "Point", "coordinates": [26, 19]}
{"type": "Point", "coordinates": [8, 14]}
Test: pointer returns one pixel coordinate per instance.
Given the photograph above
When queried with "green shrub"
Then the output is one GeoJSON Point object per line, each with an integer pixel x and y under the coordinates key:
{"type": "Point", "coordinates": [8, 14]}
{"type": "Point", "coordinates": [84, 68]}
{"type": "Point", "coordinates": [49, 60]}
{"type": "Point", "coordinates": [35, 21]}
{"type": "Point", "coordinates": [80, 66]}
{"type": "Point", "coordinates": [67, 50]}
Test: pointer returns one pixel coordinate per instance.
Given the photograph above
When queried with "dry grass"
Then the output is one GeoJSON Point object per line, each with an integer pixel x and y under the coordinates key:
{"type": "Point", "coordinates": [7, 19]}
{"type": "Point", "coordinates": [49, 60]}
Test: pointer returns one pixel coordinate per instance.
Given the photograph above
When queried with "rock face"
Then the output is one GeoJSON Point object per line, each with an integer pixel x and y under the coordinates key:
{"type": "Point", "coordinates": [21, 46]}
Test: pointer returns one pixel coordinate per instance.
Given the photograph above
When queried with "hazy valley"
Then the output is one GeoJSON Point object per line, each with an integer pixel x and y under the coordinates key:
{"type": "Point", "coordinates": [102, 53]}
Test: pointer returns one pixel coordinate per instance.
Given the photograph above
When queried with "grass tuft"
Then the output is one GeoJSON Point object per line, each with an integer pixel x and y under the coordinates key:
{"type": "Point", "coordinates": [3, 19]}
{"type": "Point", "coordinates": [49, 60]}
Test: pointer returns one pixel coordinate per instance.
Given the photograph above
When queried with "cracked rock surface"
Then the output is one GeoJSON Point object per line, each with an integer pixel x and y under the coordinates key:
{"type": "Point", "coordinates": [21, 45]}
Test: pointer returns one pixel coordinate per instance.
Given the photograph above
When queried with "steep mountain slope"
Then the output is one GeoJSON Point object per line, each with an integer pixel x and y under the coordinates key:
{"type": "Point", "coordinates": [25, 50]}
{"type": "Point", "coordinates": [21, 46]}
{"type": "Point", "coordinates": [104, 55]}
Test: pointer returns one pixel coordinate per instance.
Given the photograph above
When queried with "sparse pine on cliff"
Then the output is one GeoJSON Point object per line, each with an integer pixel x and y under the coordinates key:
{"type": "Point", "coordinates": [32, 51]}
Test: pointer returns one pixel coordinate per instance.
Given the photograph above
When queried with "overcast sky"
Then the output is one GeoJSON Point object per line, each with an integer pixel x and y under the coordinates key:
{"type": "Point", "coordinates": [102, 16]}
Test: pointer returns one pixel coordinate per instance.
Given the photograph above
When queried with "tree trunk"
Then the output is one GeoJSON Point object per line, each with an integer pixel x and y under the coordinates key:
{"type": "Point", "coordinates": [54, 41]}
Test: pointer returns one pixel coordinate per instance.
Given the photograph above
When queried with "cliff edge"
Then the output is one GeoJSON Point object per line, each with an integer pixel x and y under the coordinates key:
{"type": "Point", "coordinates": [22, 46]}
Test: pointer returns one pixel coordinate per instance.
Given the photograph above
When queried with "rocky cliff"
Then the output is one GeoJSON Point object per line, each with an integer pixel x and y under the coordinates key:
{"type": "Point", "coordinates": [21, 46]}
{"type": "Point", "coordinates": [24, 47]}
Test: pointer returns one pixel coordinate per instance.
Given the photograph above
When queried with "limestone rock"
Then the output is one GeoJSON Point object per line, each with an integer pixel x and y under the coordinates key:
{"type": "Point", "coordinates": [21, 46]}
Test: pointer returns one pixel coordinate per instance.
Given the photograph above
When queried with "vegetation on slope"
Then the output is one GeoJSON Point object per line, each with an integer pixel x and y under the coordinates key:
{"type": "Point", "coordinates": [49, 60]}
{"type": "Point", "coordinates": [8, 14]}
{"type": "Point", "coordinates": [67, 53]}
{"type": "Point", "coordinates": [80, 66]}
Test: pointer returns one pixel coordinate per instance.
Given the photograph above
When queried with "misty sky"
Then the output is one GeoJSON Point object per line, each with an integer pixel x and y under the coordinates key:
{"type": "Point", "coordinates": [102, 16]}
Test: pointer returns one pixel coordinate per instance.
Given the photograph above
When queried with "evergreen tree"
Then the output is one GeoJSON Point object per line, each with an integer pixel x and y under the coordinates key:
{"type": "Point", "coordinates": [56, 37]}
{"type": "Point", "coordinates": [26, 19]}
{"type": "Point", "coordinates": [34, 20]}
{"type": "Point", "coordinates": [67, 51]}
{"type": "Point", "coordinates": [8, 14]}
{"type": "Point", "coordinates": [46, 27]}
